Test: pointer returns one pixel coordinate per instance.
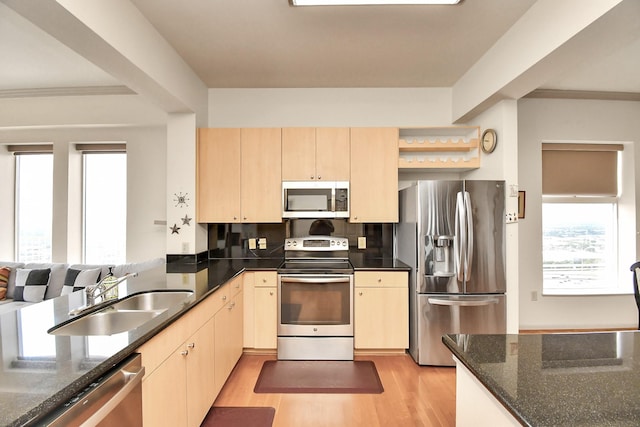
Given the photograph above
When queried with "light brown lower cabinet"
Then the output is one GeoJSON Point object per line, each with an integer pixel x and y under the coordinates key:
{"type": "Point", "coordinates": [228, 340]}
{"type": "Point", "coordinates": [260, 310]}
{"type": "Point", "coordinates": [188, 362]}
{"type": "Point", "coordinates": [381, 310]}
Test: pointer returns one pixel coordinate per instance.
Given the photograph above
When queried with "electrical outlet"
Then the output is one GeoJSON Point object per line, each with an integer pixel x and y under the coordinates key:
{"type": "Point", "coordinates": [262, 243]}
{"type": "Point", "coordinates": [185, 247]}
{"type": "Point", "coordinates": [252, 244]}
{"type": "Point", "coordinates": [362, 242]}
{"type": "Point", "coordinates": [534, 295]}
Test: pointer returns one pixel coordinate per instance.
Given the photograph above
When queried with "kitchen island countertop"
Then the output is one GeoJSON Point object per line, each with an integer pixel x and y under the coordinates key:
{"type": "Point", "coordinates": [580, 379]}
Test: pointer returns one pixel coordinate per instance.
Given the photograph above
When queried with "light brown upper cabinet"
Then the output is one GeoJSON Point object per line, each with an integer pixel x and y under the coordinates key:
{"type": "Point", "coordinates": [374, 175]}
{"type": "Point", "coordinates": [218, 175]}
{"type": "Point", "coordinates": [315, 154]}
{"type": "Point", "coordinates": [261, 178]}
{"type": "Point", "coordinates": [239, 175]}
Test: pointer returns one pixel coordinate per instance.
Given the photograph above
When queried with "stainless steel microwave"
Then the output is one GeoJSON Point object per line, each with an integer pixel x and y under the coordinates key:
{"type": "Point", "coordinates": [315, 199]}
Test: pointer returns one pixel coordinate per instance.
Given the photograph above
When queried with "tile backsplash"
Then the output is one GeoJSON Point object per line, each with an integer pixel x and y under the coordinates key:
{"type": "Point", "coordinates": [236, 240]}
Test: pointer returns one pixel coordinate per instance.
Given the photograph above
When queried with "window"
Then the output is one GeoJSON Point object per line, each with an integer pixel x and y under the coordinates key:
{"type": "Point", "coordinates": [34, 207]}
{"type": "Point", "coordinates": [105, 207]}
{"type": "Point", "coordinates": [580, 218]}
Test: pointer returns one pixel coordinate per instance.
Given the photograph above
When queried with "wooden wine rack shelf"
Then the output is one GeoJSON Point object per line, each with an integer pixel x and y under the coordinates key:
{"type": "Point", "coordinates": [439, 148]}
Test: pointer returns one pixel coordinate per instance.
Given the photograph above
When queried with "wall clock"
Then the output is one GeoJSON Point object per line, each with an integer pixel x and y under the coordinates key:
{"type": "Point", "coordinates": [489, 140]}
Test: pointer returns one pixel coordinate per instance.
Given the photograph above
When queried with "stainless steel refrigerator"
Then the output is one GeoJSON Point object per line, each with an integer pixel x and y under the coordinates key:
{"type": "Point", "coordinates": [452, 234]}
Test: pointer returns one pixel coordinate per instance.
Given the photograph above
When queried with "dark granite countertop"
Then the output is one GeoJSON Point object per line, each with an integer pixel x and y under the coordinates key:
{"type": "Point", "coordinates": [42, 371]}
{"type": "Point", "coordinates": [585, 379]}
{"type": "Point", "coordinates": [364, 262]}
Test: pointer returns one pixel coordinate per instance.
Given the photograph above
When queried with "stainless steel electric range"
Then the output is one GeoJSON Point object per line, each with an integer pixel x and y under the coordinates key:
{"type": "Point", "coordinates": [315, 300]}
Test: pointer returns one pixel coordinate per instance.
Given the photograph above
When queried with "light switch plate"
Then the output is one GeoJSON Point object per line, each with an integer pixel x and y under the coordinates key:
{"type": "Point", "coordinates": [262, 243]}
{"type": "Point", "coordinates": [252, 244]}
{"type": "Point", "coordinates": [362, 242]}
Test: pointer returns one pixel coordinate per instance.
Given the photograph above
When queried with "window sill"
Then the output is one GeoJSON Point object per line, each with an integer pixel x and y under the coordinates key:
{"type": "Point", "coordinates": [585, 292]}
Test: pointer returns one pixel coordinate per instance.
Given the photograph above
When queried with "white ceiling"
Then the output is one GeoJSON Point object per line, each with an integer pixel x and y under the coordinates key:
{"type": "Point", "coordinates": [267, 43]}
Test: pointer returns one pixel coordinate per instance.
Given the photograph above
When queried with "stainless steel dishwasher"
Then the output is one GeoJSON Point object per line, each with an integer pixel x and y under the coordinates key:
{"type": "Point", "coordinates": [113, 400]}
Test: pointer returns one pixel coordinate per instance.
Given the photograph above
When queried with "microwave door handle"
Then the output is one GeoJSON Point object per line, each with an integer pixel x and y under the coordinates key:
{"type": "Point", "coordinates": [333, 199]}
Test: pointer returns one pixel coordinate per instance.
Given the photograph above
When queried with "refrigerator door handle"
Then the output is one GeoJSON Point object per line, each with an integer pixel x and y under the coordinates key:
{"type": "Point", "coordinates": [459, 241]}
{"type": "Point", "coordinates": [462, 303]}
{"type": "Point", "coordinates": [469, 235]}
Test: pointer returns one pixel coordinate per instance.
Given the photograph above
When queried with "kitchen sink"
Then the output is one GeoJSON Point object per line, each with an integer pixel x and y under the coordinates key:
{"type": "Point", "coordinates": [153, 300]}
{"type": "Point", "coordinates": [106, 322]}
{"type": "Point", "coordinates": [123, 315]}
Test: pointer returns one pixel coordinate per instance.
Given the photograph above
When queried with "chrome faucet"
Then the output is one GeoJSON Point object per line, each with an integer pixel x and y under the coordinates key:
{"type": "Point", "coordinates": [99, 290]}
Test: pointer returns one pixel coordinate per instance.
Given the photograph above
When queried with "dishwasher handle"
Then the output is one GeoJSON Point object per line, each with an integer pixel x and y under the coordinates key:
{"type": "Point", "coordinates": [462, 303]}
{"type": "Point", "coordinates": [131, 380]}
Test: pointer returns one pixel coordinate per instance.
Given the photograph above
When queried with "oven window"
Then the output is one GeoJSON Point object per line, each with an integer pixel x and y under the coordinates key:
{"type": "Point", "coordinates": [315, 303]}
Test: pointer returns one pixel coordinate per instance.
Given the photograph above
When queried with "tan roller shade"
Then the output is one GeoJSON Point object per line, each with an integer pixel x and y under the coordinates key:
{"type": "Point", "coordinates": [580, 169]}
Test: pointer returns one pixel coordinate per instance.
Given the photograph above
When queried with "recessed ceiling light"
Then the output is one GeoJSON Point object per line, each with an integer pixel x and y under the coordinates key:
{"type": "Point", "coordinates": [367, 2]}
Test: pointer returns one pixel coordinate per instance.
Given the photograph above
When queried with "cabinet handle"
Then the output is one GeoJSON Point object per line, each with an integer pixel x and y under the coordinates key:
{"type": "Point", "coordinates": [233, 304]}
{"type": "Point", "coordinates": [379, 280]}
{"type": "Point", "coordinates": [319, 177]}
{"type": "Point", "coordinates": [312, 177]}
{"type": "Point", "coordinates": [264, 280]}
{"type": "Point", "coordinates": [224, 297]}
{"type": "Point", "coordinates": [244, 218]}
{"type": "Point", "coordinates": [184, 352]}
{"type": "Point", "coordinates": [235, 217]}
{"type": "Point", "coordinates": [271, 293]}
{"type": "Point", "coordinates": [191, 345]}
{"type": "Point", "coordinates": [360, 293]}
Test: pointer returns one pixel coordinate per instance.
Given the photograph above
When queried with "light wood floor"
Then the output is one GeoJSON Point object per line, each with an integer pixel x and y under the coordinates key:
{"type": "Point", "coordinates": [413, 396]}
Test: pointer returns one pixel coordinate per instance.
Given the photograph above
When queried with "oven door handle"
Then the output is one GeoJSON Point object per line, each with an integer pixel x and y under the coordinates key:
{"type": "Point", "coordinates": [290, 279]}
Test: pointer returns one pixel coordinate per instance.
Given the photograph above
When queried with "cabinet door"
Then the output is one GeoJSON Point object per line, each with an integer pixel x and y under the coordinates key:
{"type": "Point", "coordinates": [201, 390]}
{"type": "Point", "coordinates": [298, 154]}
{"type": "Point", "coordinates": [248, 311]}
{"type": "Point", "coordinates": [261, 182]}
{"type": "Point", "coordinates": [381, 318]}
{"type": "Point", "coordinates": [235, 332]}
{"type": "Point", "coordinates": [374, 175]}
{"type": "Point", "coordinates": [266, 317]}
{"type": "Point", "coordinates": [228, 340]}
{"type": "Point", "coordinates": [164, 393]}
{"type": "Point", "coordinates": [332, 154]}
{"type": "Point", "coordinates": [218, 175]}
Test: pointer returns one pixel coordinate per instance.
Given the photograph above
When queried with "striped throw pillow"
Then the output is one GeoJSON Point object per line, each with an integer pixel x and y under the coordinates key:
{"type": "Point", "coordinates": [4, 281]}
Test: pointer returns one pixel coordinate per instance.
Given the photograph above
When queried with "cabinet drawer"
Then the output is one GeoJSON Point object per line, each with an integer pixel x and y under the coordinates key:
{"type": "Point", "coordinates": [394, 279]}
{"type": "Point", "coordinates": [265, 279]}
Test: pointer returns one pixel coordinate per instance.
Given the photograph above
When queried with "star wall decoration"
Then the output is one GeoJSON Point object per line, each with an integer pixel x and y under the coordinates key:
{"type": "Point", "coordinates": [186, 220]}
{"type": "Point", "coordinates": [175, 229]}
{"type": "Point", "coordinates": [181, 199]}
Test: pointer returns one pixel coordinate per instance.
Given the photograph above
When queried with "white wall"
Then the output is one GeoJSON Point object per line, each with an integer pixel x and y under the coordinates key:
{"type": "Point", "coordinates": [573, 120]}
{"type": "Point", "coordinates": [329, 107]}
{"type": "Point", "coordinates": [146, 189]}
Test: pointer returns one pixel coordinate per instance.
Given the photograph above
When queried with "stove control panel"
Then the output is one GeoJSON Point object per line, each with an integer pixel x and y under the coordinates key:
{"type": "Point", "coordinates": [317, 243]}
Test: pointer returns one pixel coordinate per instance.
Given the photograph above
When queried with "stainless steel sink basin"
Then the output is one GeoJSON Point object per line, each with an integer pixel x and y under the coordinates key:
{"type": "Point", "coordinates": [125, 314]}
{"type": "Point", "coordinates": [106, 322]}
{"type": "Point", "coordinates": [153, 300]}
